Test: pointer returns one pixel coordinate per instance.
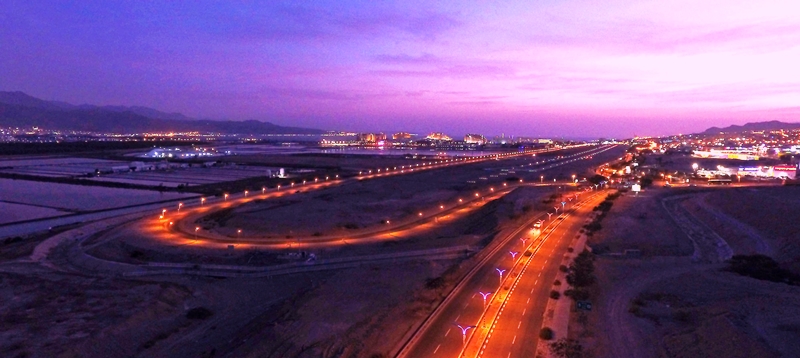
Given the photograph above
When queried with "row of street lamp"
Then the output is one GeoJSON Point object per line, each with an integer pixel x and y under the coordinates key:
{"type": "Point", "coordinates": [485, 294]}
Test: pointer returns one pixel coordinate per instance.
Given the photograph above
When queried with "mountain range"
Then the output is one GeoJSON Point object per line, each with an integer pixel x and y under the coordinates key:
{"type": "Point", "coordinates": [18, 109]}
{"type": "Point", "coordinates": [754, 126]}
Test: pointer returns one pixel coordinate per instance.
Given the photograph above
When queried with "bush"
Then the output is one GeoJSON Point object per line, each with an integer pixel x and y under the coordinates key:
{"type": "Point", "coordinates": [566, 348]}
{"type": "Point", "coordinates": [199, 313]}
{"type": "Point", "coordinates": [581, 272]}
{"type": "Point", "coordinates": [761, 267]}
{"type": "Point", "coordinates": [577, 294]}
{"type": "Point", "coordinates": [563, 268]}
{"type": "Point", "coordinates": [434, 283]}
{"type": "Point", "coordinates": [682, 316]}
{"type": "Point", "coordinates": [546, 333]}
{"type": "Point", "coordinates": [557, 283]}
{"type": "Point", "coordinates": [555, 294]}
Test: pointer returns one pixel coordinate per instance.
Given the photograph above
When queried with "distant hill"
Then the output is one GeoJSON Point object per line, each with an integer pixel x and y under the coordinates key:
{"type": "Point", "coordinates": [757, 126]}
{"type": "Point", "coordinates": [18, 109]}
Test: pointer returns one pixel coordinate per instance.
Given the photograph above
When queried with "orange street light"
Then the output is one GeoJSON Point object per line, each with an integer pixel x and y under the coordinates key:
{"type": "Point", "coordinates": [180, 205]}
{"type": "Point", "coordinates": [202, 201]}
{"type": "Point", "coordinates": [226, 197]}
{"type": "Point", "coordinates": [196, 229]}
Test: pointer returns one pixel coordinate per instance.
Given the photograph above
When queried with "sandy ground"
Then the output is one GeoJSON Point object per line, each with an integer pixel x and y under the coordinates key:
{"type": "Point", "coordinates": [352, 313]}
{"type": "Point", "coordinates": [643, 226]}
{"type": "Point", "coordinates": [366, 204]}
{"type": "Point", "coordinates": [756, 220]}
{"type": "Point", "coordinates": [667, 305]}
{"type": "Point", "coordinates": [346, 313]}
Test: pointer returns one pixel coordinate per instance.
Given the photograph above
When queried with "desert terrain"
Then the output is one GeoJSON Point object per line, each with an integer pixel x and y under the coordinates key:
{"type": "Point", "coordinates": [676, 297]}
{"type": "Point", "coordinates": [105, 288]}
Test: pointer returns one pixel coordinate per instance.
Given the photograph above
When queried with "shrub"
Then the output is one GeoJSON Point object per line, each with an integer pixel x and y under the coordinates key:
{"type": "Point", "coordinates": [434, 283]}
{"type": "Point", "coordinates": [566, 348]}
{"type": "Point", "coordinates": [557, 283]}
{"type": "Point", "coordinates": [546, 333]}
{"type": "Point", "coordinates": [682, 316]}
{"type": "Point", "coordinates": [761, 267]}
{"type": "Point", "coordinates": [577, 294]}
{"type": "Point", "coordinates": [555, 294]}
{"type": "Point", "coordinates": [199, 313]}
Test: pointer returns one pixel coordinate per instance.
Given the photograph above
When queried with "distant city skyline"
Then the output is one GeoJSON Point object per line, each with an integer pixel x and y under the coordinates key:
{"type": "Point", "coordinates": [567, 69]}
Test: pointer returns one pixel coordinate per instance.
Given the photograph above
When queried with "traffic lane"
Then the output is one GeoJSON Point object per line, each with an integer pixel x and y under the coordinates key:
{"type": "Point", "coordinates": [541, 290]}
{"type": "Point", "coordinates": [489, 283]}
{"type": "Point", "coordinates": [466, 308]}
{"type": "Point", "coordinates": [525, 310]}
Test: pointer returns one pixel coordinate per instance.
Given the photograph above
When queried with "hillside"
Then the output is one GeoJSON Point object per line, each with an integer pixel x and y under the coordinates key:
{"type": "Point", "coordinates": [755, 126]}
{"type": "Point", "coordinates": [18, 109]}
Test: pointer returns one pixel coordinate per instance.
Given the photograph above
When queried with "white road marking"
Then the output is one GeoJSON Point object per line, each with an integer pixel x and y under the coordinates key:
{"type": "Point", "coordinates": [513, 340]}
{"type": "Point", "coordinates": [523, 311]}
{"type": "Point", "coordinates": [448, 332]}
{"type": "Point", "coordinates": [437, 349]}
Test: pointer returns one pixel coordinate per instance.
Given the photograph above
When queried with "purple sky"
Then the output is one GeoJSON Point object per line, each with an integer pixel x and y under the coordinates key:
{"type": "Point", "coordinates": [541, 68]}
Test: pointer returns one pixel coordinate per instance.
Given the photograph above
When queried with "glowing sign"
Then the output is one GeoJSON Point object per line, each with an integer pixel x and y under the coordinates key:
{"type": "Point", "coordinates": [785, 167]}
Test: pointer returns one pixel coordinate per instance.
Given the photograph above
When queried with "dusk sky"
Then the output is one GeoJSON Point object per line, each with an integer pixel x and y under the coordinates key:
{"type": "Point", "coordinates": [539, 68]}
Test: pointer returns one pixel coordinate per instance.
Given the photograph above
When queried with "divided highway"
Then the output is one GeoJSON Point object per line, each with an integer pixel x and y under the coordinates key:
{"type": "Point", "coordinates": [516, 278]}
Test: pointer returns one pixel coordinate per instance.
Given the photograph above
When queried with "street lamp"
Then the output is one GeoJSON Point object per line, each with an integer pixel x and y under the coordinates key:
{"type": "Point", "coordinates": [202, 201]}
{"type": "Point", "coordinates": [501, 274]}
{"type": "Point", "coordinates": [226, 197]}
{"type": "Point", "coordinates": [464, 333]}
{"type": "Point", "coordinates": [245, 193]}
{"type": "Point", "coordinates": [239, 233]}
{"type": "Point", "coordinates": [263, 189]}
{"type": "Point", "coordinates": [523, 241]}
{"type": "Point", "coordinates": [513, 255]}
{"type": "Point", "coordinates": [180, 205]}
{"type": "Point", "coordinates": [484, 295]}
{"type": "Point", "coordinates": [196, 229]}
{"type": "Point", "coordinates": [555, 207]}
{"type": "Point", "coordinates": [549, 215]}
{"type": "Point", "coordinates": [541, 178]}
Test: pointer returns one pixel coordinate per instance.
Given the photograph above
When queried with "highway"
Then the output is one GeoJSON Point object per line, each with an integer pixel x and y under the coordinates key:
{"type": "Point", "coordinates": [177, 224]}
{"type": "Point", "coordinates": [509, 323]}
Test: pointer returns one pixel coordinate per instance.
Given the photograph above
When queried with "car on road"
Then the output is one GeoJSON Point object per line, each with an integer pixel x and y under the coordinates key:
{"type": "Point", "coordinates": [538, 224]}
